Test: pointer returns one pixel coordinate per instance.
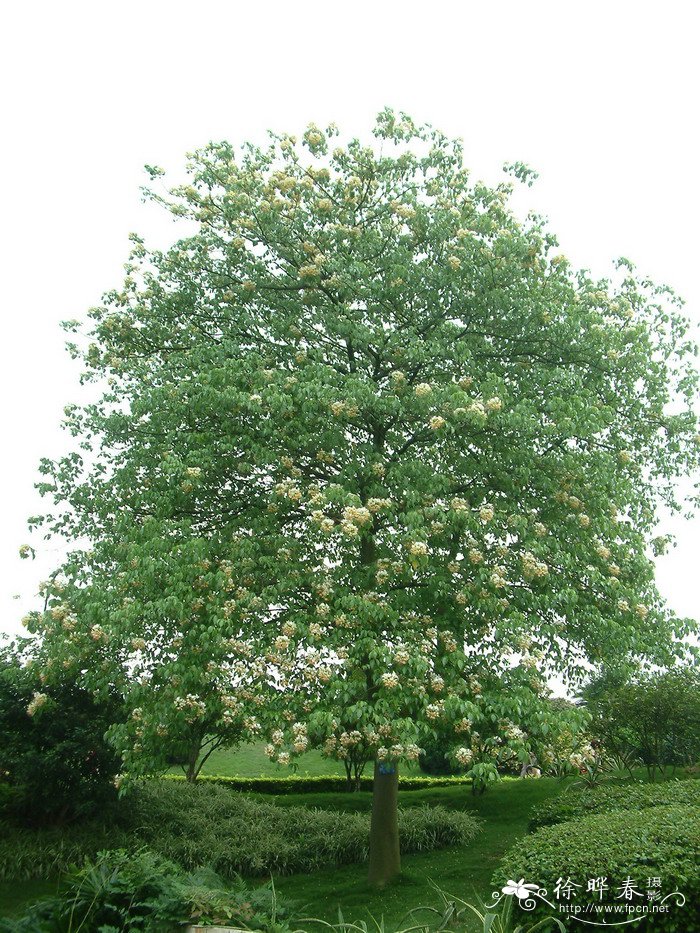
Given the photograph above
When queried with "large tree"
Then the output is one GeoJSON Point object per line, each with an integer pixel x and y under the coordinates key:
{"type": "Point", "coordinates": [368, 429]}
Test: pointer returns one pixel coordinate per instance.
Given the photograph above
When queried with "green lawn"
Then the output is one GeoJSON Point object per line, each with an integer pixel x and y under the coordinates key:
{"type": "Point", "coordinates": [465, 871]}
{"type": "Point", "coordinates": [251, 761]}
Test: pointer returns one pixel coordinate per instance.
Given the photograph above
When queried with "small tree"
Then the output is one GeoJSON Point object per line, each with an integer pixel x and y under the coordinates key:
{"type": "Point", "coordinates": [53, 750]}
{"type": "Point", "coordinates": [652, 719]}
{"type": "Point", "coordinates": [420, 438]}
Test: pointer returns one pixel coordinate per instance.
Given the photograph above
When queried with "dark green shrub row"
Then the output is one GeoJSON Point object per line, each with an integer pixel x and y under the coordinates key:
{"type": "Point", "coordinates": [230, 833]}
{"type": "Point", "coordinates": [313, 785]}
{"type": "Point", "coordinates": [657, 841]}
{"type": "Point", "coordinates": [573, 804]}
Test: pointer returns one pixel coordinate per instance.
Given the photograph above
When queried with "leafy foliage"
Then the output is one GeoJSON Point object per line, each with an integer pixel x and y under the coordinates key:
{"type": "Point", "coordinates": [662, 841]}
{"type": "Point", "coordinates": [369, 445]}
{"type": "Point", "coordinates": [54, 758]}
{"type": "Point", "coordinates": [611, 797]}
{"type": "Point", "coordinates": [209, 826]}
{"type": "Point", "coordinates": [653, 719]}
{"type": "Point", "coordinates": [141, 891]}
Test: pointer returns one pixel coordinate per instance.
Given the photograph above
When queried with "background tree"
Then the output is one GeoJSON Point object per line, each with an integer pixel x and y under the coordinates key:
{"type": "Point", "coordinates": [53, 751]}
{"type": "Point", "coordinates": [653, 719]}
{"type": "Point", "coordinates": [414, 431]}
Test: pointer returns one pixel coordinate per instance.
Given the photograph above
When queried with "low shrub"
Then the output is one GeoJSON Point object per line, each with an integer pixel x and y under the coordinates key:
{"type": "Point", "coordinates": [657, 842]}
{"type": "Point", "coordinates": [317, 784]}
{"type": "Point", "coordinates": [574, 804]}
{"type": "Point", "coordinates": [142, 891]}
{"type": "Point", "coordinates": [231, 833]}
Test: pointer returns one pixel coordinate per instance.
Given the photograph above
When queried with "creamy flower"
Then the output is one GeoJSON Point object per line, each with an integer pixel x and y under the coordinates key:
{"type": "Point", "coordinates": [464, 756]}
{"type": "Point", "coordinates": [37, 701]}
{"type": "Point", "coordinates": [486, 513]}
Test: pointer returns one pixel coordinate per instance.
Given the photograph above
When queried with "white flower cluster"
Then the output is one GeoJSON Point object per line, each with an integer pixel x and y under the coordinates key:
{"type": "Point", "coordinates": [287, 490]}
{"type": "Point", "coordinates": [498, 578]}
{"type": "Point", "coordinates": [532, 567]}
{"type": "Point", "coordinates": [423, 389]}
{"type": "Point", "coordinates": [192, 705]}
{"type": "Point", "coordinates": [436, 423]}
{"type": "Point", "coordinates": [486, 513]}
{"type": "Point", "coordinates": [37, 701]}
{"type": "Point", "coordinates": [464, 756]}
{"type": "Point", "coordinates": [582, 757]}
{"type": "Point", "coordinates": [459, 505]}
{"type": "Point", "coordinates": [300, 738]}
{"type": "Point", "coordinates": [418, 549]}
{"type": "Point", "coordinates": [358, 515]}
{"type": "Point", "coordinates": [390, 680]}
{"type": "Point", "coordinates": [376, 504]}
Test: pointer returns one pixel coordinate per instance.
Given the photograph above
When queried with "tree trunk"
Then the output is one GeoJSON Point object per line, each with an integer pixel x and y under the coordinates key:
{"type": "Point", "coordinates": [192, 770]}
{"type": "Point", "coordinates": [384, 854]}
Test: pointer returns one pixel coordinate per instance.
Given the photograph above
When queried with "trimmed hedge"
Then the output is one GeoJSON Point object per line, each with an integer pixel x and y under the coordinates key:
{"type": "Point", "coordinates": [208, 826]}
{"type": "Point", "coordinates": [572, 805]}
{"type": "Point", "coordinates": [313, 785]}
{"type": "Point", "coordinates": [654, 842]}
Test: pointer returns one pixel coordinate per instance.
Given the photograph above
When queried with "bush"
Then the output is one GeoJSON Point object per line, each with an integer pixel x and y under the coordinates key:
{"type": "Point", "coordinates": [141, 891]}
{"type": "Point", "coordinates": [52, 748]}
{"type": "Point", "coordinates": [571, 805]}
{"type": "Point", "coordinates": [318, 784]}
{"type": "Point", "coordinates": [656, 842]}
{"type": "Point", "coordinates": [229, 832]}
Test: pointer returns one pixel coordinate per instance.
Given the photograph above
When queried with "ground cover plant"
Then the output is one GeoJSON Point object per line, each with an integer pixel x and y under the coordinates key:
{"type": "Point", "coordinates": [464, 870]}
{"type": "Point", "coordinates": [371, 459]}
{"type": "Point", "coordinates": [611, 797]}
{"type": "Point", "coordinates": [214, 827]}
{"type": "Point", "coordinates": [657, 842]}
{"type": "Point", "coordinates": [125, 892]}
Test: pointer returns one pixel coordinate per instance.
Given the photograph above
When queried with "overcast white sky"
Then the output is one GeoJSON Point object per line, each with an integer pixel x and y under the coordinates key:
{"type": "Point", "coordinates": [600, 98]}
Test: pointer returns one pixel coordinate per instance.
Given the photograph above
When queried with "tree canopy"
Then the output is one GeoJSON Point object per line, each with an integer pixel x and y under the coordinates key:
{"type": "Point", "coordinates": [368, 442]}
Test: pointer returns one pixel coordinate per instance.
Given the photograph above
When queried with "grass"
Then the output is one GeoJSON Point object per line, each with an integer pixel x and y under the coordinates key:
{"type": "Point", "coordinates": [465, 871]}
{"type": "Point", "coordinates": [251, 761]}
{"type": "Point", "coordinates": [504, 808]}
